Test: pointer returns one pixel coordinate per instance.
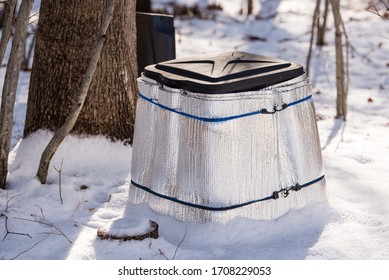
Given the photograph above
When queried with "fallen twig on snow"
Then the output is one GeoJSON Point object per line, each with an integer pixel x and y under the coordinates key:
{"type": "Point", "coordinates": [175, 252]}
{"type": "Point", "coordinates": [7, 207]}
{"type": "Point", "coordinates": [11, 232]}
{"type": "Point", "coordinates": [42, 220]}
{"type": "Point", "coordinates": [60, 181]}
{"type": "Point", "coordinates": [8, 200]}
{"type": "Point", "coordinates": [179, 244]}
{"type": "Point", "coordinates": [29, 249]}
{"type": "Point", "coordinates": [377, 12]}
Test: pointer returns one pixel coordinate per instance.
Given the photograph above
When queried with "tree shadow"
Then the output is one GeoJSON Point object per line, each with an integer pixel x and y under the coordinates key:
{"type": "Point", "coordinates": [338, 127]}
{"type": "Point", "coordinates": [269, 9]}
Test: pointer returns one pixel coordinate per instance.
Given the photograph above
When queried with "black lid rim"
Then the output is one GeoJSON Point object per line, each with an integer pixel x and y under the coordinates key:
{"type": "Point", "coordinates": [250, 84]}
{"type": "Point", "coordinates": [227, 72]}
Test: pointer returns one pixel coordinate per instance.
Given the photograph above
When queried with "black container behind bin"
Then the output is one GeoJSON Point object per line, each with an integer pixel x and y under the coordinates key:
{"type": "Point", "coordinates": [155, 39]}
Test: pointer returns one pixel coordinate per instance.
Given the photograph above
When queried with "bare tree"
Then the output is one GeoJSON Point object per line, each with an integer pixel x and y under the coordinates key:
{"type": "Point", "coordinates": [7, 26]}
{"type": "Point", "coordinates": [318, 28]}
{"type": "Point", "coordinates": [250, 7]}
{"type": "Point", "coordinates": [28, 51]}
{"type": "Point", "coordinates": [10, 86]}
{"type": "Point", "coordinates": [247, 7]}
{"type": "Point", "coordinates": [341, 64]}
{"type": "Point", "coordinates": [322, 25]}
{"type": "Point", "coordinates": [341, 51]}
{"type": "Point", "coordinates": [314, 20]}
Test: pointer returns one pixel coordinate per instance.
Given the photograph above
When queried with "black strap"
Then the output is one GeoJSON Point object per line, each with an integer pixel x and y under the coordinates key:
{"type": "Point", "coordinates": [285, 192]}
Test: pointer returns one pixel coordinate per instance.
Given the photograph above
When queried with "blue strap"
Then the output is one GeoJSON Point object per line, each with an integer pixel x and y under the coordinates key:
{"type": "Point", "coordinates": [275, 195]}
{"type": "Point", "coordinates": [261, 111]}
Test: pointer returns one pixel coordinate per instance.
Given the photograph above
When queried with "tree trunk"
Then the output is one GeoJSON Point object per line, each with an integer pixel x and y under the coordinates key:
{"type": "Point", "coordinates": [341, 77]}
{"type": "Point", "coordinates": [249, 7]}
{"type": "Point", "coordinates": [322, 25]}
{"type": "Point", "coordinates": [79, 101]}
{"type": "Point", "coordinates": [28, 51]}
{"type": "Point", "coordinates": [66, 32]}
{"type": "Point", "coordinates": [7, 27]}
{"type": "Point", "coordinates": [314, 20]}
{"type": "Point", "coordinates": [10, 85]}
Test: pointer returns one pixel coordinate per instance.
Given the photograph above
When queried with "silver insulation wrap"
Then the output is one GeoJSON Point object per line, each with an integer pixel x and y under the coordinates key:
{"type": "Point", "coordinates": [212, 157]}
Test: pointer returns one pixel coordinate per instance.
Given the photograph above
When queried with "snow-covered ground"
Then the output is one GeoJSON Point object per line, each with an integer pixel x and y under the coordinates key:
{"type": "Point", "coordinates": [352, 224]}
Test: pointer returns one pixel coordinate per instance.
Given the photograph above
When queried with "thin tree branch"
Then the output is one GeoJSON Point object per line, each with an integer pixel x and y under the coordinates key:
{"type": "Point", "coordinates": [376, 12]}
{"type": "Point", "coordinates": [8, 200]}
{"type": "Point", "coordinates": [175, 252]}
{"type": "Point", "coordinates": [60, 180]}
{"type": "Point", "coordinates": [33, 15]}
{"type": "Point", "coordinates": [7, 207]}
{"type": "Point", "coordinates": [29, 249]}
{"type": "Point", "coordinates": [386, 5]}
{"type": "Point", "coordinates": [179, 244]}
{"type": "Point", "coordinates": [42, 220]}
{"type": "Point", "coordinates": [11, 232]}
{"type": "Point", "coordinates": [163, 254]}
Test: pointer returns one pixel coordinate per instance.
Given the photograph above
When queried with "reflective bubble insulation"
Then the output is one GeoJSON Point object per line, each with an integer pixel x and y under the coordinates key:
{"type": "Point", "coordinates": [225, 135]}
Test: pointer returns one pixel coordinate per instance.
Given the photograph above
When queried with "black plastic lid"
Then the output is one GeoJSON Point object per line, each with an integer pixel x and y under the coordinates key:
{"type": "Point", "coordinates": [159, 21]}
{"type": "Point", "coordinates": [225, 72]}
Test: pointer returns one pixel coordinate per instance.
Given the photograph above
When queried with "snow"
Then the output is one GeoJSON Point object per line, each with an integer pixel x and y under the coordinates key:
{"type": "Point", "coordinates": [95, 174]}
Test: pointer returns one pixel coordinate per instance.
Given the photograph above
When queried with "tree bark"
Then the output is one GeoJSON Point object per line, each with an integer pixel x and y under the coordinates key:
{"type": "Point", "coordinates": [7, 27]}
{"type": "Point", "coordinates": [341, 77]}
{"type": "Point", "coordinates": [249, 7]}
{"type": "Point", "coordinates": [314, 20]}
{"type": "Point", "coordinates": [65, 129]}
{"type": "Point", "coordinates": [65, 36]}
{"type": "Point", "coordinates": [322, 25]}
{"type": "Point", "coordinates": [28, 51]}
{"type": "Point", "coordinates": [10, 85]}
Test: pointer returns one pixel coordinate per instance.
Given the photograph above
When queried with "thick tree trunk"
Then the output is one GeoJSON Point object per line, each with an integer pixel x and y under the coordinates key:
{"type": "Point", "coordinates": [79, 101]}
{"type": "Point", "coordinates": [10, 85]}
{"type": "Point", "coordinates": [66, 32]}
